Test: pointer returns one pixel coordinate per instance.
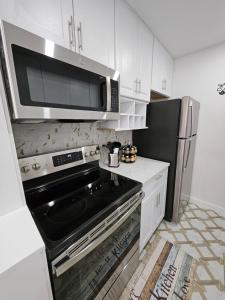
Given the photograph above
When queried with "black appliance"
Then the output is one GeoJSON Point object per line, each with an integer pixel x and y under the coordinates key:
{"type": "Point", "coordinates": [89, 219]}
{"type": "Point", "coordinates": [171, 137]}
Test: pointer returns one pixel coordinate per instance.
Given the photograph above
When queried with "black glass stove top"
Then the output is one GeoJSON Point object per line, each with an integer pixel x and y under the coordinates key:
{"type": "Point", "coordinates": [68, 208]}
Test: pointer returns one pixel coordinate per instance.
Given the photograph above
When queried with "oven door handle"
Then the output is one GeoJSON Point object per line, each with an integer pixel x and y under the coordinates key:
{"type": "Point", "coordinates": [59, 269]}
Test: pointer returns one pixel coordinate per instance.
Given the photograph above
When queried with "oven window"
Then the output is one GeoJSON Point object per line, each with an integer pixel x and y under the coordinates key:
{"type": "Point", "coordinates": [86, 278]}
{"type": "Point", "coordinates": [46, 82]}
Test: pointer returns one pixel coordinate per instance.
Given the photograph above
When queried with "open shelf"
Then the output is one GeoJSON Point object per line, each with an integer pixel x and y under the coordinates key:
{"type": "Point", "coordinates": [132, 116]}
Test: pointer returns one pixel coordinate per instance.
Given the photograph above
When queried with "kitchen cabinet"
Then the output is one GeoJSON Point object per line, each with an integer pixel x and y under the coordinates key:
{"type": "Point", "coordinates": [41, 17]}
{"type": "Point", "coordinates": [162, 70]}
{"type": "Point", "coordinates": [144, 61]}
{"type": "Point", "coordinates": [132, 116]}
{"type": "Point", "coordinates": [153, 206]}
{"type": "Point", "coordinates": [134, 43]}
{"type": "Point", "coordinates": [89, 29]}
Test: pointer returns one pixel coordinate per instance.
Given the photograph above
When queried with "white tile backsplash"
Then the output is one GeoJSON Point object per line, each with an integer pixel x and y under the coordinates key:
{"type": "Point", "coordinates": [34, 139]}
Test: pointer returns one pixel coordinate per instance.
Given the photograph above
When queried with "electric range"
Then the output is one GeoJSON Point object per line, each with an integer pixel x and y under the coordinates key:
{"type": "Point", "coordinates": [89, 219]}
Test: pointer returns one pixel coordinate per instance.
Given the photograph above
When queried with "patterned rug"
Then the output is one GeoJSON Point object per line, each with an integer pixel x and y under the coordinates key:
{"type": "Point", "coordinates": [201, 234]}
{"type": "Point", "coordinates": [169, 274]}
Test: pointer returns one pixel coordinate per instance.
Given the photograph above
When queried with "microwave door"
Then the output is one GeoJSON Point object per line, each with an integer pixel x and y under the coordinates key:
{"type": "Point", "coordinates": [63, 85]}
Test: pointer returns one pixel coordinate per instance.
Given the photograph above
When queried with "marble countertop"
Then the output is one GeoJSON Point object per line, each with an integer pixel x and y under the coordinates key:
{"type": "Point", "coordinates": [142, 170]}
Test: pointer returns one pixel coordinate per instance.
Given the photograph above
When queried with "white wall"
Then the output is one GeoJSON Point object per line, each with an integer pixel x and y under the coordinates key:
{"type": "Point", "coordinates": [198, 75]}
{"type": "Point", "coordinates": [11, 190]}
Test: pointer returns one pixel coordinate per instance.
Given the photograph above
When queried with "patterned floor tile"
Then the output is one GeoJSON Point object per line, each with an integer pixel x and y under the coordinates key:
{"type": "Point", "coordinates": [200, 233]}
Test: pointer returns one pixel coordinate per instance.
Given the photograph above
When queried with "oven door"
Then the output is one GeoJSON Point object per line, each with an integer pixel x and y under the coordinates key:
{"type": "Point", "coordinates": [47, 81]}
{"type": "Point", "coordinates": [104, 266]}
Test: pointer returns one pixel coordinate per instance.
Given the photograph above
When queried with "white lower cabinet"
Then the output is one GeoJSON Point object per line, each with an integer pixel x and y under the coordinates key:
{"type": "Point", "coordinates": [153, 206]}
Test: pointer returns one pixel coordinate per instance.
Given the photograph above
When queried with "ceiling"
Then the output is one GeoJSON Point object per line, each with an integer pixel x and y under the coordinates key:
{"type": "Point", "coordinates": [184, 26]}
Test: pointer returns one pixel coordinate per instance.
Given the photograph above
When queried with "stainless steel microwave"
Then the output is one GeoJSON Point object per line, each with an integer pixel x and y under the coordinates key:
{"type": "Point", "coordinates": [45, 81]}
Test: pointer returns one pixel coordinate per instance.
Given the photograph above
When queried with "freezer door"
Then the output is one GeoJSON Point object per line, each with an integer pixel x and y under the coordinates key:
{"type": "Point", "coordinates": [189, 117]}
{"type": "Point", "coordinates": [184, 171]}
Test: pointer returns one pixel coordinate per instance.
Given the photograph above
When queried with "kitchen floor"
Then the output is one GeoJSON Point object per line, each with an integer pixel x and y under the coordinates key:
{"type": "Point", "coordinates": [201, 233]}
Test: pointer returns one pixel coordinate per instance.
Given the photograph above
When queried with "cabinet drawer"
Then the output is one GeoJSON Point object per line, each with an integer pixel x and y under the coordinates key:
{"type": "Point", "coordinates": [154, 182]}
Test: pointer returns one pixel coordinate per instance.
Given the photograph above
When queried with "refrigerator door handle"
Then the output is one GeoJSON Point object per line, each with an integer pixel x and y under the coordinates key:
{"type": "Point", "coordinates": [191, 121]}
{"type": "Point", "coordinates": [189, 147]}
{"type": "Point", "coordinates": [190, 116]}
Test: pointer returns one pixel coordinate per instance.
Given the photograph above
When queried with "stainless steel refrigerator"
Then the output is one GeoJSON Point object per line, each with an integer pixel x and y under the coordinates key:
{"type": "Point", "coordinates": [171, 137]}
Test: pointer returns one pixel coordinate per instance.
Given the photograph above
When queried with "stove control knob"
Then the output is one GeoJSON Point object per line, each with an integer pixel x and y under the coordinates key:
{"type": "Point", "coordinates": [25, 169]}
{"type": "Point", "coordinates": [36, 166]}
{"type": "Point", "coordinates": [92, 153]}
{"type": "Point", "coordinates": [86, 154]}
{"type": "Point", "coordinates": [97, 151]}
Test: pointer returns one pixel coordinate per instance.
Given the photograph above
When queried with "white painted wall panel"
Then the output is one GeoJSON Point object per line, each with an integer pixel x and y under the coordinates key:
{"type": "Point", "coordinates": [198, 75]}
{"type": "Point", "coordinates": [11, 191]}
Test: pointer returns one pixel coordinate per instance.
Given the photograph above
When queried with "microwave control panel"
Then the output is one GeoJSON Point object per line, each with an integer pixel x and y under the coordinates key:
{"type": "Point", "coordinates": [114, 96]}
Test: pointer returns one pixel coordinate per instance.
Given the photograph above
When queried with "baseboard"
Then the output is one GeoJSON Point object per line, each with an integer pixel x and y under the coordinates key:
{"type": "Point", "coordinates": [220, 210]}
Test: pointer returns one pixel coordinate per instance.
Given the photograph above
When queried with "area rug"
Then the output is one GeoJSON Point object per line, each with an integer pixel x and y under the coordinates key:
{"type": "Point", "coordinates": [168, 274]}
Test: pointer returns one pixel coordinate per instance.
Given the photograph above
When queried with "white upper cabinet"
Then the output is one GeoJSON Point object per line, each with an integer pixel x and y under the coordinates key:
{"type": "Point", "coordinates": [162, 71]}
{"type": "Point", "coordinates": [68, 24]}
{"type": "Point", "coordinates": [95, 30]}
{"type": "Point", "coordinates": [144, 59]}
{"type": "Point", "coordinates": [126, 50]}
{"type": "Point", "coordinates": [133, 53]}
{"type": "Point", "coordinates": [89, 29]}
{"type": "Point", "coordinates": [42, 17]}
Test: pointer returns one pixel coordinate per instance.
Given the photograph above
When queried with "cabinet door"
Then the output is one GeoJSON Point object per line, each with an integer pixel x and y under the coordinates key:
{"type": "Point", "coordinates": [147, 209]}
{"type": "Point", "coordinates": [152, 211]}
{"type": "Point", "coordinates": [159, 199]}
{"type": "Point", "coordinates": [126, 48]}
{"type": "Point", "coordinates": [144, 61]}
{"type": "Point", "coordinates": [95, 30]}
{"type": "Point", "coordinates": [162, 69]}
{"type": "Point", "coordinates": [42, 17]}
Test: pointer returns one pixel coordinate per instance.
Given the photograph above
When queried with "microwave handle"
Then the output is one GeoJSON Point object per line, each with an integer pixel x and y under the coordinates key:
{"type": "Point", "coordinates": [108, 93]}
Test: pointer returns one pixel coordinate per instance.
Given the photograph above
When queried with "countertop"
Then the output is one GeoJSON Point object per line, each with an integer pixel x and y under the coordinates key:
{"type": "Point", "coordinates": [19, 238]}
{"type": "Point", "coordinates": [142, 170]}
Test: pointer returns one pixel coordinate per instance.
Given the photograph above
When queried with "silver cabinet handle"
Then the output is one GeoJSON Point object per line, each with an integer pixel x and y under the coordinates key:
{"type": "Point", "coordinates": [80, 37]}
{"type": "Point", "coordinates": [158, 176]}
{"type": "Point", "coordinates": [139, 86]}
{"type": "Point", "coordinates": [71, 29]}
{"type": "Point", "coordinates": [72, 37]}
{"type": "Point", "coordinates": [158, 199]}
{"type": "Point", "coordinates": [136, 85]}
{"type": "Point", "coordinates": [164, 85]}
